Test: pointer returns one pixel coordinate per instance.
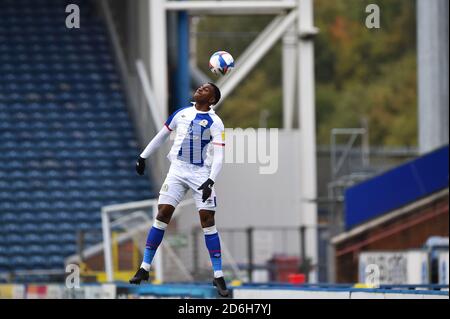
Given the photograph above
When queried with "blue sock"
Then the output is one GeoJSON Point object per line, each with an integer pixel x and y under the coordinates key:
{"type": "Point", "coordinates": [212, 241]}
{"type": "Point", "coordinates": [154, 238]}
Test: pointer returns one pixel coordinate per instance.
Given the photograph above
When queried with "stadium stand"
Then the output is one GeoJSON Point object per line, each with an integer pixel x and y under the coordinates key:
{"type": "Point", "coordinates": [398, 210]}
{"type": "Point", "coordinates": [67, 145]}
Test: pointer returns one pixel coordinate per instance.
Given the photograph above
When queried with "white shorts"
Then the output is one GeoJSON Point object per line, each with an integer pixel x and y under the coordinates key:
{"type": "Point", "coordinates": [179, 179]}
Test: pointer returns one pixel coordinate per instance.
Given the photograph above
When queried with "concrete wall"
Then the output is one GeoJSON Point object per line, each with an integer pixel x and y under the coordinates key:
{"type": "Point", "coordinates": [247, 198]}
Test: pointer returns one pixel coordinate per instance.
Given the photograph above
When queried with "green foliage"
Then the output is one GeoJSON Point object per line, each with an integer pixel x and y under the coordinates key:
{"type": "Point", "coordinates": [360, 73]}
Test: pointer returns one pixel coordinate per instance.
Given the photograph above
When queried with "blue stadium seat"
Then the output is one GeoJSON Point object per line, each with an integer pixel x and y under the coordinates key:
{"type": "Point", "coordinates": [18, 262]}
{"type": "Point", "coordinates": [37, 262]}
{"type": "Point", "coordinates": [62, 217]}
{"type": "Point", "coordinates": [4, 251]}
{"type": "Point", "coordinates": [7, 218]}
{"type": "Point", "coordinates": [28, 218]}
{"type": "Point", "coordinates": [67, 238]}
{"type": "Point", "coordinates": [11, 239]}
{"type": "Point", "coordinates": [64, 228]}
{"type": "Point", "coordinates": [27, 228]}
{"type": "Point", "coordinates": [5, 263]}
{"type": "Point", "coordinates": [31, 238]}
{"type": "Point", "coordinates": [82, 216]}
{"type": "Point", "coordinates": [47, 227]}
{"type": "Point", "coordinates": [50, 238]}
{"type": "Point", "coordinates": [44, 217]}
{"type": "Point", "coordinates": [56, 261]}
{"type": "Point", "coordinates": [34, 250]}
{"type": "Point", "coordinates": [16, 250]}
{"type": "Point", "coordinates": [51, 249]}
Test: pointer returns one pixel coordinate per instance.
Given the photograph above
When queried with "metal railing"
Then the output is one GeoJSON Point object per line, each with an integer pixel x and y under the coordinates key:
{"type": "Point", "coordinates": [260, 253]}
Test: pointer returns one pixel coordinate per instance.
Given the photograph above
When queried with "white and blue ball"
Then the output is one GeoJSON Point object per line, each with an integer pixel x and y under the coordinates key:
{"type": "Point", "coordinates": [221, 63]}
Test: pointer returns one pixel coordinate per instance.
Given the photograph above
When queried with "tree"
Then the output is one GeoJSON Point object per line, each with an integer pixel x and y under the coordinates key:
{"type": "Point", "coordinates": [361, 73]}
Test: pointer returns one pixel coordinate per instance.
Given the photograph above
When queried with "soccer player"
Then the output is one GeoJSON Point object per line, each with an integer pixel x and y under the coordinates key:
{"type": "Point", "coordinates": [196, 159]}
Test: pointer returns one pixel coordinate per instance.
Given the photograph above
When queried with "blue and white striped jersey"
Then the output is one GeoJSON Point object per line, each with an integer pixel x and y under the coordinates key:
{"type": "Point", "coordinates": [196, 133]}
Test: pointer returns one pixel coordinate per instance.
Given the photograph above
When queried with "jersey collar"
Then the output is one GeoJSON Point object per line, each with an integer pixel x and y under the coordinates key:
{"type": "Point", "coordinates": [211, 111]}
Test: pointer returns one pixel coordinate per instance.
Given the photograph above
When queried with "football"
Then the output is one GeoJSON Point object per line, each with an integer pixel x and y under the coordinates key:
{"type": "Point", "coordinates": [221, 63]}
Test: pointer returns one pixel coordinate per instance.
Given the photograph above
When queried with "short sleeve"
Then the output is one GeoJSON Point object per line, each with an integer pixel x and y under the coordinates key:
{"type": "Point", "coordinates": [172, 121]}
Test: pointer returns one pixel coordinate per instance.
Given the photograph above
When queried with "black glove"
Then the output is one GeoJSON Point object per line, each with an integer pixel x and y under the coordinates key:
{"type": "Point", "coordinates": [140, 165]}
{"type": "Point", "coordinates": [206, 187]}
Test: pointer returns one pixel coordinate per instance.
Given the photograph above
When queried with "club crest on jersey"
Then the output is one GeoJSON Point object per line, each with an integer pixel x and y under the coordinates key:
{"type": "Point", "coordinates": [203, 123]}
{"type": "Point", "coordinates": [165, 188]}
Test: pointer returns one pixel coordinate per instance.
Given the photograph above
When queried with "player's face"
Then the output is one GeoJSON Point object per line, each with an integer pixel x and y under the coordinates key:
{"type": "Point", "coordinates": [204, 94]}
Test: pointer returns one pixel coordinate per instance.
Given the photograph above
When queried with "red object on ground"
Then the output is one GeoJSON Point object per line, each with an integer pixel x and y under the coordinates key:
{"type": "Point", "coordinates": [296, 279]}
{"type": "Point", "coordinates": [282, 266]}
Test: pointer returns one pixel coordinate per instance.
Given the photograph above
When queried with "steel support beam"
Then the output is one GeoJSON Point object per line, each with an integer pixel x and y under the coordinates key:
{"type": "Point", "coordinates": [255, 52]}
{"type": "Point", "coordinates": [433, 73]}
{"type": "Point", "coordinates": [158, 54]}
{"type": "Point", "coordinates": [107, 250]}
{"type": "Point", "coordinates": [230, 7]}
{"type": "Point", "coordinates": [307, 125]}
{"type": "Point", "coordinates": [149, 94]}
{"type": "Point", "coordinates": [289, 66]}
{"type": "Point", "coordinates": [182, 77]}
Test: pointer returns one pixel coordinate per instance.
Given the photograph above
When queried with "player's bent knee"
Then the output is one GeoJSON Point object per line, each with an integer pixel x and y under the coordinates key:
{"type": "Point", "coordinates": [207, 218]}
{"type": "Point", "coordinates": [165, 212]}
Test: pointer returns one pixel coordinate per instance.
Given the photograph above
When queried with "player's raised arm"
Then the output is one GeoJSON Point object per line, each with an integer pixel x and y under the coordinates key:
{"type": "Point", "coordinates": [156, 142]}
{"type": "Point", "coordinates": [218, 141]}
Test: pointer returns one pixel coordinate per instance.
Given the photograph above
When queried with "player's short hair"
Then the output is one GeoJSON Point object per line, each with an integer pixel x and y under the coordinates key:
{"type": "Point", "coordinates": [217, 94]}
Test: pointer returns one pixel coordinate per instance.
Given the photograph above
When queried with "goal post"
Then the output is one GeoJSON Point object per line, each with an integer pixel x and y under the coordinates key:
{"type": "Point", "coordinates": [135, 218]}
